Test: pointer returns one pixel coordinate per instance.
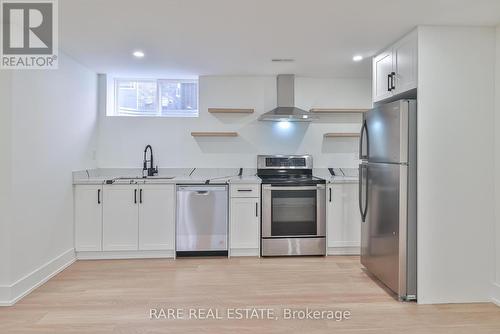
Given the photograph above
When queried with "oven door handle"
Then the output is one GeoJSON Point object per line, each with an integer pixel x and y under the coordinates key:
{"type": "Point", "coordinates": [296, 188]}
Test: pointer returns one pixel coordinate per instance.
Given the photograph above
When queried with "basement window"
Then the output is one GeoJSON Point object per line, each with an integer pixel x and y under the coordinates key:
{"type": "Point", "coordinates": [156, 97]}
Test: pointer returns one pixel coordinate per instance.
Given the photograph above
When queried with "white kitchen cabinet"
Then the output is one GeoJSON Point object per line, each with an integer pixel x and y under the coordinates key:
{"type": "Point", "coordinates": [382, 69]}
{"type": "Point", "coordinates": [88, 217]}
{"type": "Point", "coordinates": [156, 217]}
{"type": "Point", "coordinates": [244, 227]}
{"type": "Point", "coordinates": [120, 217]}
{"type": "Point", "coordinates": [245, 214]}
{"type": "Point", "coordinates": [395, 69]}
{"type": "Point", "coordinates": [405, 64]}
{"type": "Point", "coordinates": [343, 219]}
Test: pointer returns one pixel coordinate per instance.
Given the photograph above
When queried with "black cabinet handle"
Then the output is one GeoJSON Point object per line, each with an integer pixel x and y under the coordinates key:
{"type": "Point", "coordinates": [98, 196]}
{"type": "Point", "coordinates": [135, 196]}
{"type": "Point", "coordinates": [256, 209]}
{"type": "Point", "coordinates": [389, 82]}
{"type": "Point", "coordinates": [244, 190]}
{"type": "Point", "coordinates": [393, 84]}
{"type": "Point", "coordinates": [140, 196]}
{"type": "Point", "coordinates": [330, 194]}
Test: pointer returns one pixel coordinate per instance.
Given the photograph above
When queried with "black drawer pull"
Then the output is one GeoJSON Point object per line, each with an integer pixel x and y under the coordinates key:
{"type": "Point", "coordinates": [244, 190]}
{"type": "Point", "coordinates": [98, 196]}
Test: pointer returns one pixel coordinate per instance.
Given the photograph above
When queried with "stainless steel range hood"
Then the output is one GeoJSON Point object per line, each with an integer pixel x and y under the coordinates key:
{"type": "Point", "coordinates": [286, 110]}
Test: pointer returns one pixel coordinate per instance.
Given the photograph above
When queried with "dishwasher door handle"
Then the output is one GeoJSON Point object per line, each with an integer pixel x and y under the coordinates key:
{"type": "Point", "coordinates": [202, 192]}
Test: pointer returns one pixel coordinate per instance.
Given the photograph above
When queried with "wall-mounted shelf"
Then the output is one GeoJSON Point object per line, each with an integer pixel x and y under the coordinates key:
{"type": "Point", "coordinates": [214, 134]}
{"type": "Point", "coordinates": [337, 111]}
{"type": "Point", "coordinates": [341, 135]}
{"type": "Point", "coordinates": [229, 111]}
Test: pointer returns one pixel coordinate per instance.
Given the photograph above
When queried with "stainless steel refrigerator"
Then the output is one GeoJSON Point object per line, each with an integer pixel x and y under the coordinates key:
{"type": "Point", "coordinates": [388, 195]}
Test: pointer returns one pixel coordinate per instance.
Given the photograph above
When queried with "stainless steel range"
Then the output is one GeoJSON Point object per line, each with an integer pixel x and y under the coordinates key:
{"type": "Point", "coordinates": [293, 206]}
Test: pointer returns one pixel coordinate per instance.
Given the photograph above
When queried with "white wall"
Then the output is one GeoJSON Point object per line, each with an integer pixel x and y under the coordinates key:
{"type": "Point", "coordinates": [455, 166]}
{"type": "Point", "coordinates": [122, 140]}
{"type": "Point", "coordinates": [5, 176]}
{"type": "Point", "coordinates": [496, 287]}
{"type": "Point", "coordinates": [53, 133]}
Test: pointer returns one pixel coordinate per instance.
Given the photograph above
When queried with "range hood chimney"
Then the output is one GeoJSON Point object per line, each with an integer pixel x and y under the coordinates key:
{"type": "Point", "coordinates": [286, 110]}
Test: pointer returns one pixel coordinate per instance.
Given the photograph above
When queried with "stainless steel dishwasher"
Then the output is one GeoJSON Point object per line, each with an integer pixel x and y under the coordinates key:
{"type": "Point", "coordinates": [202, 220]}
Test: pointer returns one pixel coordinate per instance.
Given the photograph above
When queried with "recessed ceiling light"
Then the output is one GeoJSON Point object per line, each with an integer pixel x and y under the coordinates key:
{"type": "Point", "coordinates": [357, 58]}
{"type": "Point", "coordinates": [138, 54]}
{"type": "Point", "coordinates": [282, 60]}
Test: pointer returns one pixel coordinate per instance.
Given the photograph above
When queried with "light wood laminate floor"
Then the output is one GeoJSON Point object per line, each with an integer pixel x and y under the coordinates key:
{"type": "Point", "coordinates": [116, 297]}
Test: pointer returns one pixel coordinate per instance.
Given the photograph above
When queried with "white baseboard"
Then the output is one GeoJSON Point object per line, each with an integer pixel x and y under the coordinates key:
{"type": "Point", "coordinates": [11, 294]}
{"type": "Point", "coordinates": [244, 252]}
{"type": "Point", "coordinates": [117, 255]}
{"type": "Point", "coordinates": [495, 294]}
{"type": "Point", "coordinates": [5, 295]}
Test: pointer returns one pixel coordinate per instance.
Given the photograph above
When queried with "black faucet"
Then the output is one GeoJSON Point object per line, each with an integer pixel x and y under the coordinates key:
{"type": "Point", "coordinates": [151, 170]}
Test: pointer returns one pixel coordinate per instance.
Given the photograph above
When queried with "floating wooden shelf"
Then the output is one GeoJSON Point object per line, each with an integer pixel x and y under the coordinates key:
{"type": "Point", "coordinates": [214, 134]}
{"type": "Point", "coordinates": [341, 135]}
{"type": "Point", "coordinates": [229, 111]}
{"type": "Point", "coordinates": [337, 111]}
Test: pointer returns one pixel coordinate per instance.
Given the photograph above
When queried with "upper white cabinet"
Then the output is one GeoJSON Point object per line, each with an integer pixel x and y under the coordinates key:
{"type": "Point", "coordinates": [382, 71]}
{"type": "Point", "coordinates": [395, 69]}
{"type": "Point", "coordinates": [88, 217]}
{"type": "Point", "coordinates": [120, 218]}
{"type": "Point", "coordinates": [343, 219]}
{"type": "Point", "coordinates": [156, 217]}
{"type": "Point", "coordinates": [244, 219]}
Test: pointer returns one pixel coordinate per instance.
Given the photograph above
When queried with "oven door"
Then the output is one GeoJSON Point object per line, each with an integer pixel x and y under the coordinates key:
{"type": "Point", "coordinates": [293, 211]}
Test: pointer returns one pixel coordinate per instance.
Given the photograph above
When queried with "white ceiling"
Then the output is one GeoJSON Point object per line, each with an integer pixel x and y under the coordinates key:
{"type": "Point", "coordinates": [236, 37]}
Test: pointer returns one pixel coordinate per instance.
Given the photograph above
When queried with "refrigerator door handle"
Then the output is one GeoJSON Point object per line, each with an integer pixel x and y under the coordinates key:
{"type": "Point", "coordinates": [366, 196]}
{"type": "Point", "coordinates": [364, 130]}
{"type": "Point", "coordinates": [363, 210]}
{"type": "Point", "coordinates": [360, 182]}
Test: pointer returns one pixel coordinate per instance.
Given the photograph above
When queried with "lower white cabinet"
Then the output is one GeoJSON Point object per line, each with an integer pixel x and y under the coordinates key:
{"type": "Point", "coordinates": [132, 219]}
{"type": "Point", "coordinates": [156, 217]}
{"type": "Point", "coordinates": [245, 225]}
{"type": "Point", "coordinates": [343, 219]}
{"type": "Point", "coordinates": [88, 218]}
{"type": "Point", "coordinates": [120, 218]}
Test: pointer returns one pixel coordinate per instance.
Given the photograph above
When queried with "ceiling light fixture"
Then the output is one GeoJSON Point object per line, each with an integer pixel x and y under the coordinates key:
{"type": "Point", "coordinates": [357, 58]}
{"type": "Point", "coordinates": [138, 54]}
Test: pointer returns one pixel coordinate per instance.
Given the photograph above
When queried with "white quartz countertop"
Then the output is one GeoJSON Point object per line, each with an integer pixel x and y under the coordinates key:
{"type": "Point", "coordinates": [342, 175]}
{"type": "Point", "coordinates": [195, 176]}
{"type": "Point", "coordinates": [165, 176]}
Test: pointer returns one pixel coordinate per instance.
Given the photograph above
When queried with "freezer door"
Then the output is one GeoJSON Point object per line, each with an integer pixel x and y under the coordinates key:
{"type": "Point", "coordinates": [383, 234]}
{"type": "Point", "coordinates": [387, 131]}
{"type": "Point", "coordinates": [202, 218]}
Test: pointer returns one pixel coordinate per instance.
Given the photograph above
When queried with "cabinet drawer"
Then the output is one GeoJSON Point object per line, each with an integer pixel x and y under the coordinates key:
{"type": "Point", "coordinates": [245, 190]}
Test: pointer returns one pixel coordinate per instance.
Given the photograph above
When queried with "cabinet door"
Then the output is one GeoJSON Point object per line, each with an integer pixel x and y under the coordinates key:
{"type": "Point", "coordinates": [405, 63]}
{"type": "Point", "coordinates": [88, 218]}
{"type": "Point", "coordinates": [156, 217]}
{"type": "Point", "coordinates": [382, 68]}
{"type": "Point", "coordinates": [245, 218]}
{"type": "Point", "coordinates": [120, 217]}
{"type": "Point", "coordinates": [344, 220]}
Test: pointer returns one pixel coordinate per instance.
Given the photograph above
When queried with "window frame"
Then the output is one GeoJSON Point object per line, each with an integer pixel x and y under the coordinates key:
{"type": "Point", "coordinates": [159, 112]}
